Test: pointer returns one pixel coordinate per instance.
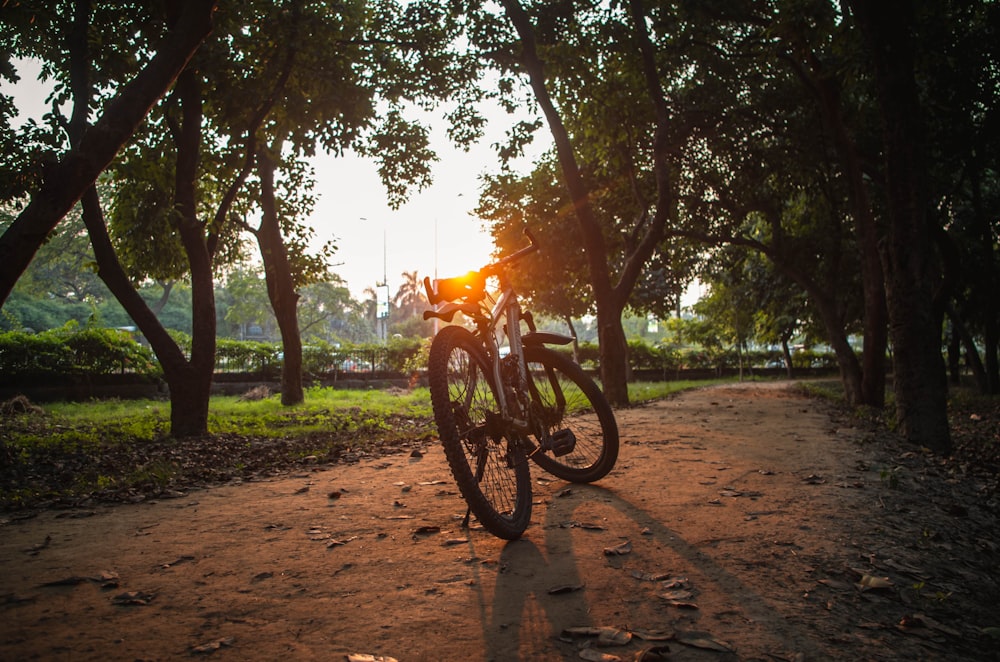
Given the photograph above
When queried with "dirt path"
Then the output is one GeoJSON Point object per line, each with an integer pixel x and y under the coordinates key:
{"type": "Point", "coordinates": [736, 526]}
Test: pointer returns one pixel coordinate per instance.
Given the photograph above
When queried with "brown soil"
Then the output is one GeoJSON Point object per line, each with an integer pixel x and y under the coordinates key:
{"type": "Point", "coordinates": [742, 523]}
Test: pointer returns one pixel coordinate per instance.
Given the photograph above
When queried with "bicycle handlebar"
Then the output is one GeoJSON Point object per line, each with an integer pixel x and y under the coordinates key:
{"type": "Point", "coordinates": [472, 284]}
{"type": "Point", "coordinates": [516, 255]}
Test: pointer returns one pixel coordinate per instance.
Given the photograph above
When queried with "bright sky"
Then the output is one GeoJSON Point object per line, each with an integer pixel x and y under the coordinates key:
{"type": "Point", "coordinates": [351, 207]}
{"type": "Point", "coordinates": [435, 232]}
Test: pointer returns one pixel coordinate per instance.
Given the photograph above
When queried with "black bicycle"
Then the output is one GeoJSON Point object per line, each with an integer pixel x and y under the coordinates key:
{"type": "Point", "coordinates": [497, 404]}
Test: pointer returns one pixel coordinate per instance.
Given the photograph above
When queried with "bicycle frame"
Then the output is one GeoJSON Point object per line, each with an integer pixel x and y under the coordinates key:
{"type": "Point", "coordinates": [504, 315]}
{"type": "Point", "coordinates": [508, 308]}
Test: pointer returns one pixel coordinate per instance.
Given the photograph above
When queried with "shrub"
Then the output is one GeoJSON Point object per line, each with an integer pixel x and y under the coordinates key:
{"type": "Point", "coordinates": [73, 351]}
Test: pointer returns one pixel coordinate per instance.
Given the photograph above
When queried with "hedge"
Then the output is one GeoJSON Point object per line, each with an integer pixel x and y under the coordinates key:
{"type": "Point", "coordinates": [71, 350]}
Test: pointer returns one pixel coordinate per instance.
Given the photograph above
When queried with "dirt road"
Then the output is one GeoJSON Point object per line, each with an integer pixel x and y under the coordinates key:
{"type": "Point", "coordinates": [738, 525]}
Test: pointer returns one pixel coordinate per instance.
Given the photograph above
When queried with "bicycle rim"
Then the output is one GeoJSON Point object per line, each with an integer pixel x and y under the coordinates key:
{"type": "Point", "coordinates": [570, 406]}
{"type": "Point", "coordinates": [492, 473]}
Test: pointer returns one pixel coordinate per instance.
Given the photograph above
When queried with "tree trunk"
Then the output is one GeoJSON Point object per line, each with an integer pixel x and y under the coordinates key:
{"type": "Point", "coordinates": [188, 414]}
{"type": "Point", "coordinates": [827, 91]}
{"type": "Point", "coordinates": [614, 354]}
{"type": "Point", "coordinates": [914, 326]}
{"type": "Point", "coordinates": [609, 324]}
{"type": "Point", "coordinates": [186, 384]}
{"type": "Point", "coordinates": [572, 334]}
{"type": "Point", "coordinates": [65, 181]}
{"type": "Point", "coordinates": [787, 354]}
{"type": "Point", "coordinates": [847, 360]}
{"type": "Point", "coordinates": [962, 338]}
{"type": "Point", "coordinates": [280, 286]}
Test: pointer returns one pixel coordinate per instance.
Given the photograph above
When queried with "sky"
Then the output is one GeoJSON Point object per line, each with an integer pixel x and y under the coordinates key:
{"type": "Point", "coordinates": [434, 232]}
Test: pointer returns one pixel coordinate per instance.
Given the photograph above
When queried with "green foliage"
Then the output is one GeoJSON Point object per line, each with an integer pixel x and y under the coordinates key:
{"type": "Point", "coordinates": [73, 351]}
{"type": "Point", "coordinates": [247, 356]}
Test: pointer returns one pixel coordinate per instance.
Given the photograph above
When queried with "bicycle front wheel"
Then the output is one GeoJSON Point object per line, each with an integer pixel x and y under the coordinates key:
{"type": "Point", "coordinates": [570, 411]}
{"type": "Point", "coordinates": [491, 470]}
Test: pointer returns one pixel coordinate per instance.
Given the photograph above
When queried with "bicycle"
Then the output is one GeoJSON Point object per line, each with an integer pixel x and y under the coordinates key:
{"type": "Point", "coordinates": [497, 405]}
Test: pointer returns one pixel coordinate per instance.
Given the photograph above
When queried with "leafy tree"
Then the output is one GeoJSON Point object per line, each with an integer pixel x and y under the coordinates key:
{"type": "Point", "coordinates": [410, 300]}
{"type": "Point", "coordinates": [246, 294]}
{"type": "Point", "coordinates": [56, 180]}
{"type": "Point", "coordinates": [594, 79]}
{"type": "Point", "coordinates": [329, 313]}
{"type": "Point", "coordinates": [911, 272]}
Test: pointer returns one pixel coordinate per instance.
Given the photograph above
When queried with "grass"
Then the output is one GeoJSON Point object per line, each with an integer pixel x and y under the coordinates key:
{"type": "Point", "coordinates": [323, 409]}
{"type": "Point", "coordinates": [102, 422]}
{"type": "Point", "coordinates": [640, 392]}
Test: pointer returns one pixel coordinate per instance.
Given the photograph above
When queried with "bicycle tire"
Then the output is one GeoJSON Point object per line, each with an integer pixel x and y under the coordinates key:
{"type": "Point", "coordinates": [570, 403]}
{"type": "Point", "coordinates": [491, 471]}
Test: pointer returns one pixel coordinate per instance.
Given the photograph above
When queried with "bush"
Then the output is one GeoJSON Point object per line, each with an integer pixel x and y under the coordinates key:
{"type": "Point", "coordinates": [247, 356]}
{"type": "Point", "coordinates": [73, 351]}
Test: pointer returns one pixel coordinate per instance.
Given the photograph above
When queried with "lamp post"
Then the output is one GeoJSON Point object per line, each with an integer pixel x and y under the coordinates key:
{"type": "Point", "coordinates": [383, 309]}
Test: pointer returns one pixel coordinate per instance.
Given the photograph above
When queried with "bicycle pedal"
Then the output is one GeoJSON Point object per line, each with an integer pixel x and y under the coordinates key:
{"type": "Point", "coordinates": [563, 442]}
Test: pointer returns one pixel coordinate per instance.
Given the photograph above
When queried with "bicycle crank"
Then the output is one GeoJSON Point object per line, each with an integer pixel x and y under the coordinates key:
{"type": "Point", "coordinates": [563, 442]}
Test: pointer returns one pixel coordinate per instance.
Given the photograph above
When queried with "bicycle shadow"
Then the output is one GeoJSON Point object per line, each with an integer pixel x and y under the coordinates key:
{"type": "Point", "coordinates": [527, 620]}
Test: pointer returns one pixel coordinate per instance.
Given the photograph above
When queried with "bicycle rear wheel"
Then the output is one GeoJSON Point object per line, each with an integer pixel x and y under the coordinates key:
{"type": "Point", "coordinates": [491, 471]}
{"type": "Point", "coordinates": [572, 412]}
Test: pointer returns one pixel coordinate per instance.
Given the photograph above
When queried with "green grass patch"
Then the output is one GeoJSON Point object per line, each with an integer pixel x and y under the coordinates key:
{"type": "Point", "coordinates": [640, 392]}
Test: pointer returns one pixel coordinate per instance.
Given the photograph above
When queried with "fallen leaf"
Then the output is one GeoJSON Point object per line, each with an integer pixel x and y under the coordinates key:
{"type": "Point", "coordinates": [678, 594]}
{"type": "Point", "coordinates": [672, 583]}
{"type": "Point", "coordinates": [589, 526]}
{"type": "Point", "coordinates": [871, 582]}
{"type": "Point", "coordinates": [606, 636]}
{"type": "Point", "coordinates": [213, 646]}
{"type": "Point", "coordinates": [705, 642]}
{"type": "Point", "coordinates": [425, 530]}
{"type": "Point", "coordinates": [133, 598]}
{"type": "Point", "coordinates": [614, 637]}
{"type": "Point", "coordinates": [653, 635]}
{"type": "Point", "coordinates": [565, 588]}
{"type": "Point", "coordinates": [657, 652]}
{"type": "Point", "coordinates": [182, 559]}
{"type": "Point", "coordinates": [269, 527]}
{"type": "Point", "coordinates": [34, 549]}
{"type": "Point", "coordinates": [365, 657]}
{"type": "Point", "coordinates": [619, 550]}
{"type": "Point", "coordinates": [594, 655]}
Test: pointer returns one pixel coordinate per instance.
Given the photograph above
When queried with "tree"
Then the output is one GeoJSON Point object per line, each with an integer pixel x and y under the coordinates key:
{"type": "Point", "coordinates": [64, 179]}
{"type": "Point", "coordinates": [410, 299]}
{"type": "Point", "coordinates": [580, 66]}
{"type": "Point", "coordinates": [329, 313]}
{"type": "Point", "coordinates": [910, 265]}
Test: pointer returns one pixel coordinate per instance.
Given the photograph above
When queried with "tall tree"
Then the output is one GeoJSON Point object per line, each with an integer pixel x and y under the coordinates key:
{"type": "Point", "coordinates": [911, 269]}
{"type": "Point", "coordinates": [573, 62]}
{"type": "Point", "coordinates": [65, 178]}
